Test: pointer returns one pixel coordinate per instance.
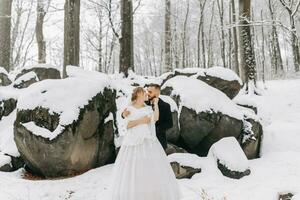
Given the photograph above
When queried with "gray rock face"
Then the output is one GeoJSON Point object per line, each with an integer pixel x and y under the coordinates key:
{"type": "Point", "coordinates": [86, 143]}
{"type": "Point", "coordinates": [184, 171]}
{"type": "Point", "coordinates": [199, 131]}
{"type": "Point", "coordinates": [173, 133]}
{"type": "Point", "coordinates": [7, 106]}
{"type": "Point", "coordinates": [26, 80]}
{"type": "Point", "coordinates": [174, 149]}
{"type": "Point", "coordinates": [232, 174]}
{"type": "Point", "coordinates": [251, 145]}
{"type": "Point", "coordinates": [41, 73]}
{"type": "Point", "coordinates": [230, 88]}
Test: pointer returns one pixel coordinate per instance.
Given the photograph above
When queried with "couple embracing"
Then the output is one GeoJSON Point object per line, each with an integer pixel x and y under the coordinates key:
{"type": "Point", "coordinates": [142, 170]}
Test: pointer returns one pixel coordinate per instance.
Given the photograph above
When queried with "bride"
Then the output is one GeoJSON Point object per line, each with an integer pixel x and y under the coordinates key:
{"type": "Point", "coordinates": [142, 170]}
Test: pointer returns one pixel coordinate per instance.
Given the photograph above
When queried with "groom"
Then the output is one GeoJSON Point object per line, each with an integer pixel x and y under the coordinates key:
{"type": "Point", "coordinates": [165, 120]}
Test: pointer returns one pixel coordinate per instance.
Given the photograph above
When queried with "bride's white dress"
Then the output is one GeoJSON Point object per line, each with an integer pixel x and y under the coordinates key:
{"type": "Point", "coordinates": [142, 170]}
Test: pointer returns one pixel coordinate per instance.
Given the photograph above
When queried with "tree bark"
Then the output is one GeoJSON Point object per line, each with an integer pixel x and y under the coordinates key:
{"type": "Point", "coordinates": [276, 58]}
{"type": "Point", "coordinates": [222, 41]}
{"type": "Point", "coordinates": [126, 40]}
{"type": "Point", "coordinates": [235, 39]}
{"type": "Point", "coordinates": [246, 48]}
{"type": "Point", "coordinates": [39, 31]}
{"type": "Point", "coordinates": [168, 62]}
{"type": "Point", "coordinates": [5, 30]}
{"type": "Point", "coordinates": [71, 34]}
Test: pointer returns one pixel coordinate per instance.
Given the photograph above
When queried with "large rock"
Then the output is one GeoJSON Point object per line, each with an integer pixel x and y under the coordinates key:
{"type": "Point", "coordinates": [7, 106]}
{"type": "Point", "coordinates": [206, 114]}
{"type": "Point", "coordinates": [62, 130]}
{"type": "Point", "coordinates": [171, 148]}
{"type": "Point", "coordinates": [230, 158]}
{"type": "Point", "coordinates": [8, 100]}
{"type": "Point", "coordinates": [35, 73]}
{"type": "Point", "coordinates": [26, 80]}
{"type": "Point", "coordinates": [220, 78]}
{"type": "Point", "coordinates": [4, 79]}
{"type": "Point", "coordinates": [185, 165]}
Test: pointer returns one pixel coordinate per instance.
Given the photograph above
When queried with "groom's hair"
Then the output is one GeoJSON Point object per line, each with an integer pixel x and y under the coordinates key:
{"type": "Point", "coordinates": [156, 86]}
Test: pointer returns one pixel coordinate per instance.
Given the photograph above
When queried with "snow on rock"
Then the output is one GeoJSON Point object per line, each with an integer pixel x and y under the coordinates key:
{"type": "Point", "coordinates": [231, 159]}
{"type": "Point", "coordinates": [170, 101]}
{"type": "Point", "coordinates": [45, 66]}
{"type": "Point", "coordinates": [223, 73]}
{"type": "Point", "coordinates": [205, 114]}
{"type": "Point", "coordinates": [56, 95]}
{"type": "Point", "coordinates": [60, 120]}
{"type": "Point", "coordinates": [26, 79]}
{"type": "Point", "coordinates": [185, 165]}
{"type": "Point", "coordinates": [8, 100]}
{"type": "Point", "coordinates": [201, 97]}
{"type": "Point", "coordinates": [220, 78]}
{"type": "Point", "coordinates": [43, 71]}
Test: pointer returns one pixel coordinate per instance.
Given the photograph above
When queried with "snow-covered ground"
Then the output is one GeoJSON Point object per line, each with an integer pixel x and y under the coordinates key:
{"type": "Point", "coordinates": [277, 171]}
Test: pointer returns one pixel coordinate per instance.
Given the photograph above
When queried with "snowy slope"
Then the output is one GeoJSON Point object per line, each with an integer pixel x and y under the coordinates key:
{"type": "Point", "coordinates": [277, 171]}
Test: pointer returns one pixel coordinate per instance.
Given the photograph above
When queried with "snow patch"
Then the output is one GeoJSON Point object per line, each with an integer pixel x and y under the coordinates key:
{"type": "Point", "coordinates": [230, 154]}
{"type": "Point", "coordinates": [201, 97]}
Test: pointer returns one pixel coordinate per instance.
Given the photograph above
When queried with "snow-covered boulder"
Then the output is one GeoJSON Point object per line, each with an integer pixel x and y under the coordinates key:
{"type": "Point", "coordinates": [35, 73]}
{"type": "Point", "coordinates": [230, 158]}
{"type": "Point", "coordinates": [4, 77]}
{"type": "Point", "coordinates": [205, 113]}
{"type": "Point", "coordinates": [8, 101]}
{"type": "Point", "coordinates": [66, 126]}
{"type": "Point", "coordinates": [26, 80]}
{"type": "Point", "coordinates": [247, 102]}
{"type": "Point", "coordinates": [180, 72]}
{"type": "Point", "coordinates": [220, 78]}
{"type": "Point", "coordinates": [223, 79]}
{"type": "Point", "coordinates": [185, 165]}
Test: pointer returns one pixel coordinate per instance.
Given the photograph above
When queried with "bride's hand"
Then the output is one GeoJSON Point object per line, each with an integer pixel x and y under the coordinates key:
{"type": "Point", "coordinates": [145, 120]}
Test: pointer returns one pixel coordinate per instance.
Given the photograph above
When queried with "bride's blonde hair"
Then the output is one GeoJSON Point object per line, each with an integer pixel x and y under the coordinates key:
{"type": "Point", "coordinates": [136, 92]}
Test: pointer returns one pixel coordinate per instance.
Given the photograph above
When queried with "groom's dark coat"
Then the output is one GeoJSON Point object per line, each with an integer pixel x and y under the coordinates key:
{"type": "Point", "coordinates": [164, 122]}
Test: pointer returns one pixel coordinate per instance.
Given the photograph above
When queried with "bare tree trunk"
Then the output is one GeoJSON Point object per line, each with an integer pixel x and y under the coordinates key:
{"type": "Point", "coordinates": [168, 62]}
{"type": "Point", "coordinates": [246, 48]}
{"type": "Point", "coordinates": [201, 37]}
{"type": "Point", "coordinates": [263, 48]}
{"type": "Point", "coordinates": [5, 29]}
{"type": "Point", "coordinates": [184, 35]}
{"type": "Point", "coordinates": [126, 40]}
{"type": "Point", "coordinates": [210, 54]}
{"type": "Point", "coordinates": [222, 42]}
{"type": "Point", "coordinates": [71, 34]}
{"type": "Point", "coordinates": [288, 5]}
{"type": "Point", "coordinates": [100, 37]}
{"type": "Point", "coordinates": [230, 38]}
{"type": "Point", "coordinates": [235, 39]}
{"type": "Point", "coordinates": [39, 31]}
{"type": "Point", "coordinates": [276, 58]}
